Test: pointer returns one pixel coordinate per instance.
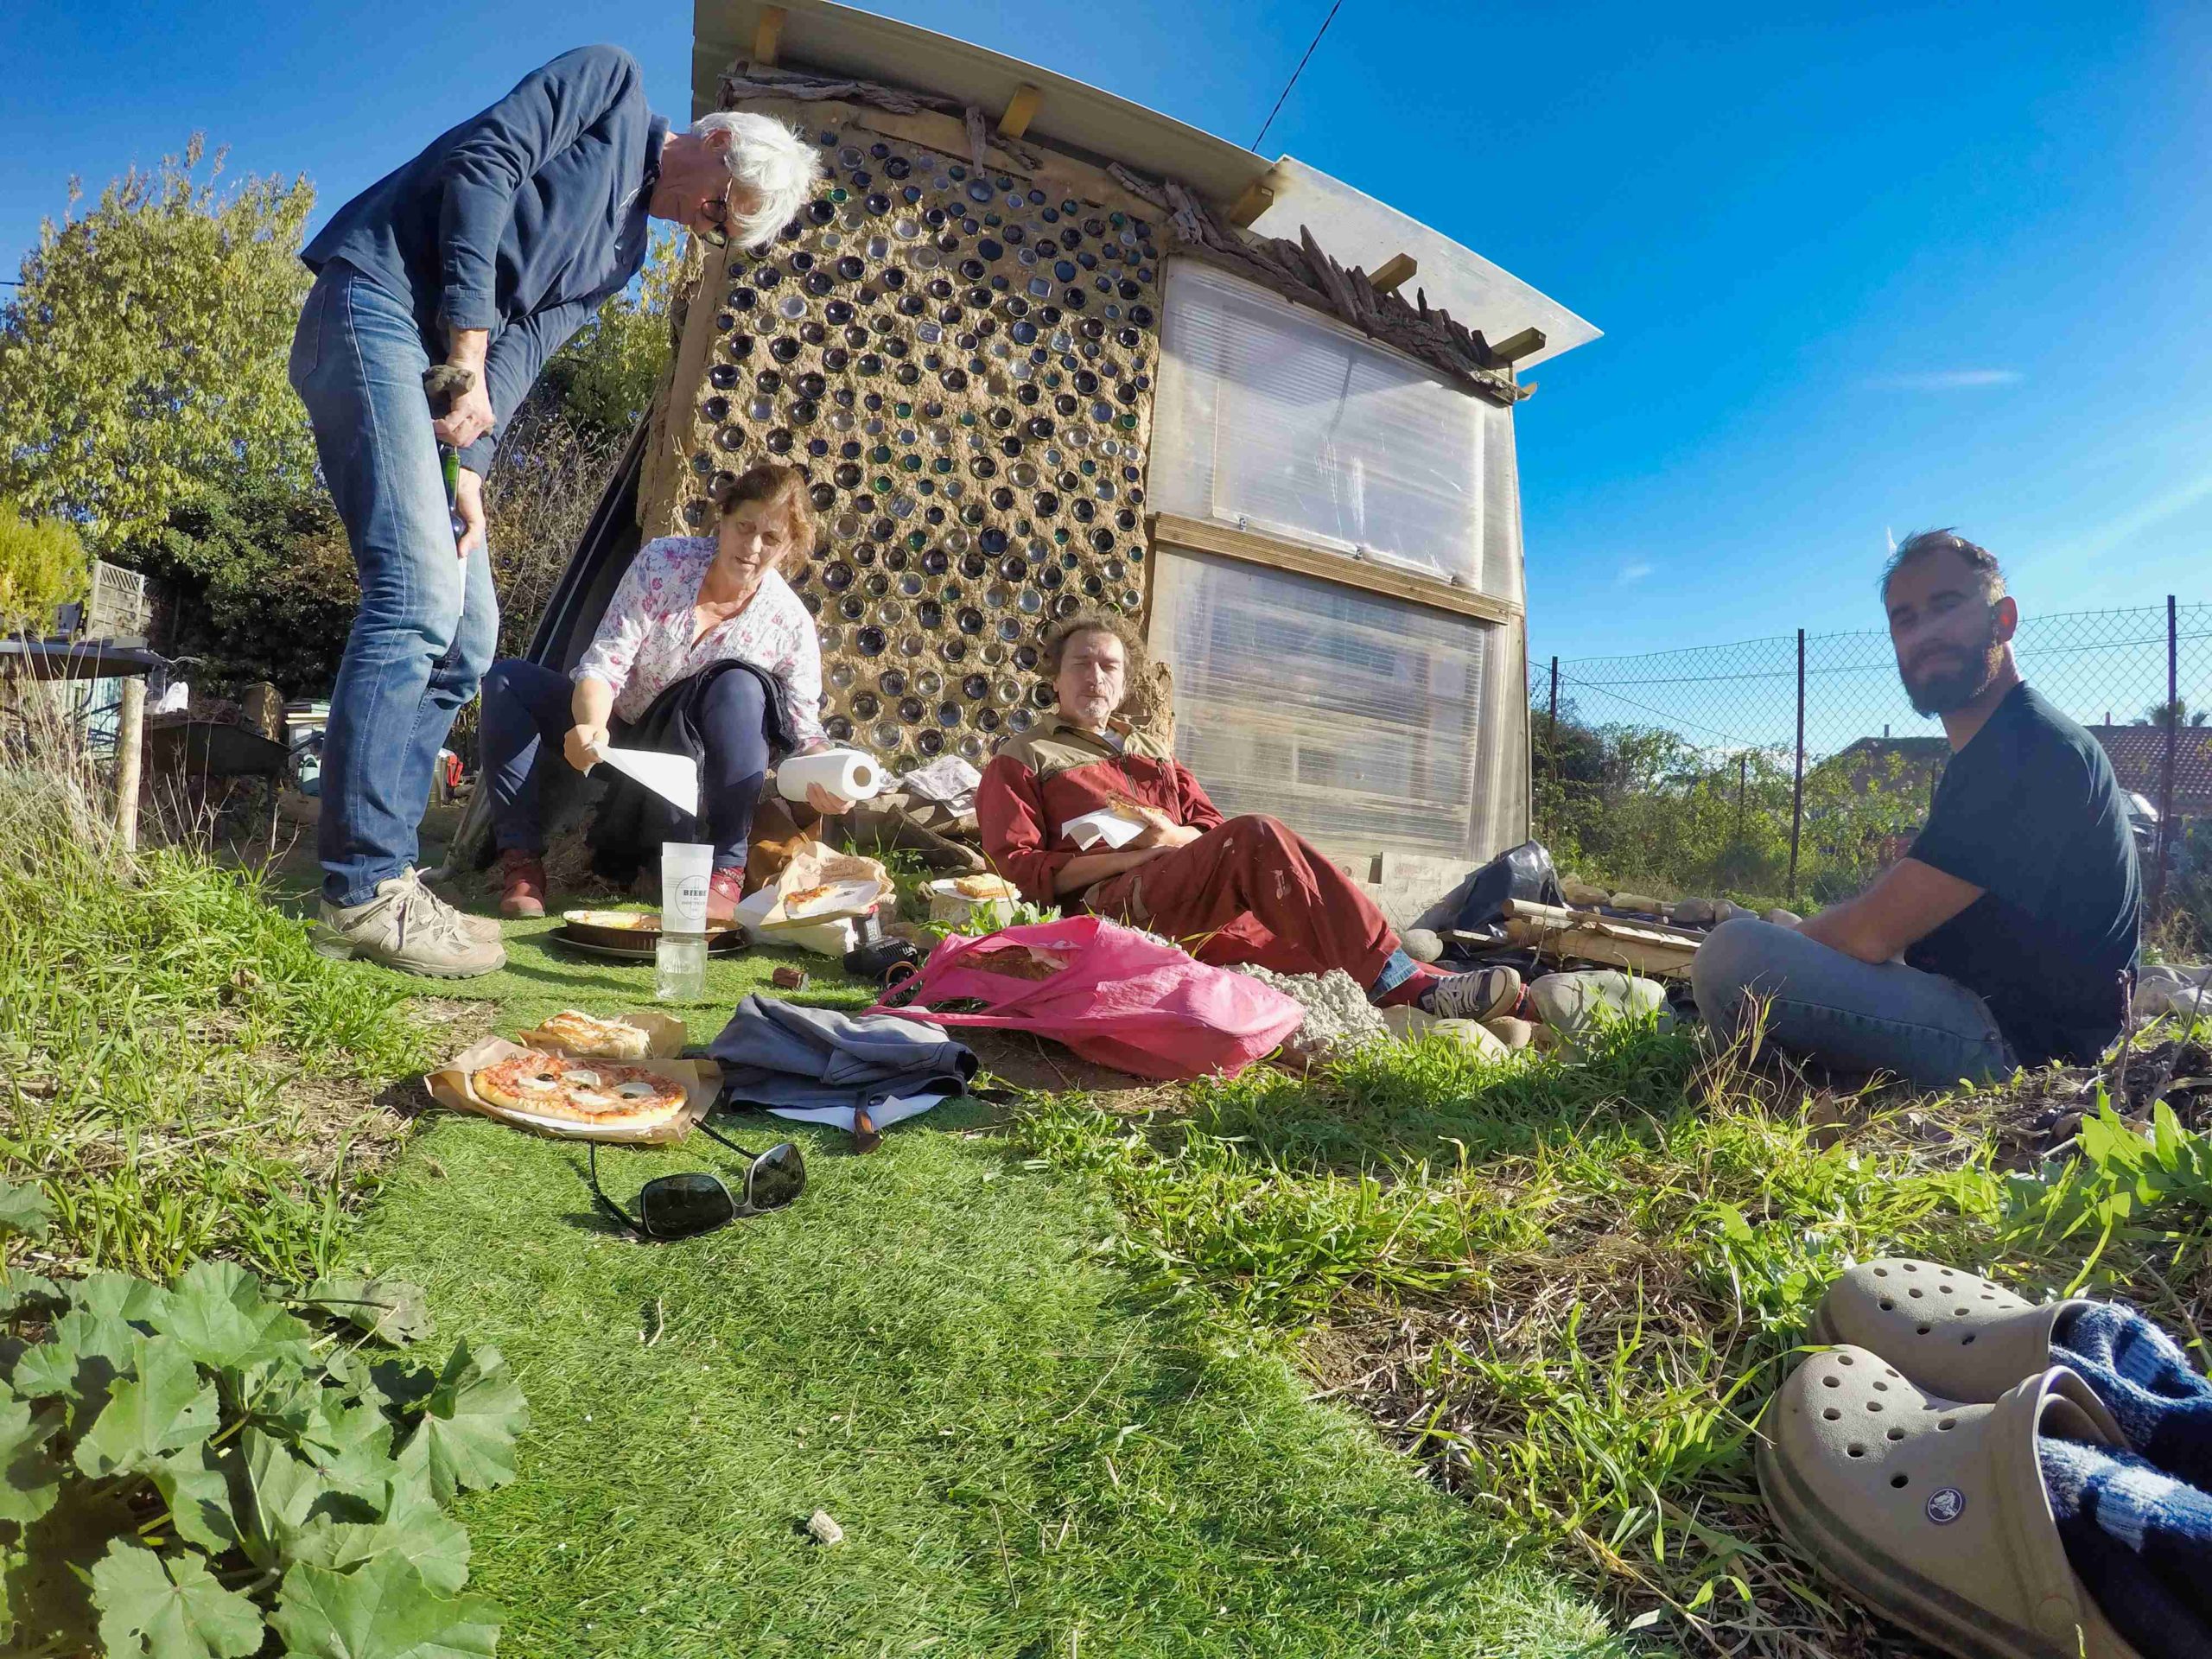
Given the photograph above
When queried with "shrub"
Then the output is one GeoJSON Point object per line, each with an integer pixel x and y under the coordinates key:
{"type": "Point", "coordinates": [44, 566]}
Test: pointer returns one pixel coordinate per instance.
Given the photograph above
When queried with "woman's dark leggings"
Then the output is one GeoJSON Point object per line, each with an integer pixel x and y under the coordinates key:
{"type": "Point", "coordinates": [526, 714]}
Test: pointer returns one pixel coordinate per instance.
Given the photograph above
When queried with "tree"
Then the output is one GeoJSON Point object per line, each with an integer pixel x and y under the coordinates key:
{"type": "Point", "coordinates": [2179, 710]}
{"type": "Point", "coordinates": [263, 582]}
{"type": "Point", "coordinates": [44, 566]}
{"type": "Point", "coordinates": [142, 358]}
{"type": "Point", "coordinates": [606, 374]}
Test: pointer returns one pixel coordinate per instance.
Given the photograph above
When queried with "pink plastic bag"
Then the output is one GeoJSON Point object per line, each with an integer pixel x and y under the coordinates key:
{"type": "Point", "coordinates": [1123, 999]}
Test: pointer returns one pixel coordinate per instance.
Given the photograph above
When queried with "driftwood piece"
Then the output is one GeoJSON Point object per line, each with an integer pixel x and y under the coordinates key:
{"type": "Point", "coordinates": [1559, 916]}
{"type": "Point", "coordinates": [979, 137]}
{"type": "Point", "coordinates": [1570, 935]}
{"type": "Point", "coordinates": [744, 80]}
{"type": "Point", "coordinates": [1300, 271]}
{"type": "Point", "coordinates": [1303, 272]}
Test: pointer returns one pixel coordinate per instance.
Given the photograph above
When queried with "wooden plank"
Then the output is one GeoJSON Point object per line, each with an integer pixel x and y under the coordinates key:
{"type": "Point", "coordinates": [1255, 200]}
{"type": "Point", "coordinates": [1395, 273]}
{"type": "Point", "coordinates": [768, 36]}
{"type": "Point", "coordinates": [1659, 962]}
{"type": "Point", "coordinates": [129, 740]}
{"type": "Point", "coordinates": [1203, 535]}
{"type": "Point", "coordinates": [1514, 347]}
{"type": "Point", "coordinates": [1020, 111]}
{"type": "Point", "coordinates": [1558, 916]}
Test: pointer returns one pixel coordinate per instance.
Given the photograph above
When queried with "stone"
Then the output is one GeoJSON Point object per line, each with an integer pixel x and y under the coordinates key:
{"type": "Point", "coordinates": [1584, 895]}
{"type": "Point", "coordinates": [1573, 1003]}
{"type": "Point", "coordinates": [1698, 912]}
{"type": "Point", "coordinates": [1782, 917]}
{"type": "Point", "coordinates": [1643, 904]}
{"type": "Point", "coordinates": [1514, 1033]}
{"type": "Point", "coordinates": [1422, 944]}
{"type": "Point", "coordinates": [823, 1529]}
{"type": "Point", "coordinates": [2173, 989]}
{"type": "Point", "coordinates": [1409, 1024]}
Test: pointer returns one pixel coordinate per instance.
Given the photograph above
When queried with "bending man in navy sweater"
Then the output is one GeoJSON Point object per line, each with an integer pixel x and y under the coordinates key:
{"type": "Point", "coordinates": [2002, 938]}
{"type": "Point", "coordinates": [486, 252]}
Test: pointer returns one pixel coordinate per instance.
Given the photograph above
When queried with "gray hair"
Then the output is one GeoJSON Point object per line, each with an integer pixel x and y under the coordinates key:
{"type": "Point", "coordinates": [1924, 543]}
{"type": "Point", "coordinates": [771, 162]}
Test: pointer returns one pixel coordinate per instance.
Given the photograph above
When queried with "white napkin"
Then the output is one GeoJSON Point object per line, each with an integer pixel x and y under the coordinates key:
{"type": "Point", "coordinates": [1105, 827]}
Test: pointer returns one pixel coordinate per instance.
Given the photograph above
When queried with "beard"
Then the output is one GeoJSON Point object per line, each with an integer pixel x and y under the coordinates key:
{"type": "Point", "coordinates": [1956, 680]}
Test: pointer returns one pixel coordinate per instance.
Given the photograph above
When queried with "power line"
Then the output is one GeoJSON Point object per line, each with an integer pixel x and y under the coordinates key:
{"type": "Point", "coordinates": [1296, 73]}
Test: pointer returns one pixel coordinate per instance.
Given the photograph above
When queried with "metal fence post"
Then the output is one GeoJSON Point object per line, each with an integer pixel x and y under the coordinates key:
{"type": "Point", "coordinates": [2166, 769]}
{"type": "Point", "coordinates": [1742, 768]}
{"type": "Point", "coordinates": [1797, 785]}
{"type": "Point", "coordinates": [1551, 732]}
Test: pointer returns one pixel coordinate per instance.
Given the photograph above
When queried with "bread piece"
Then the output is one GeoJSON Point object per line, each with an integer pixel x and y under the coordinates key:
{"type": "Point", "coordinates": [582, 1037]}
{"type": "Point", "coordinates": [985, 886]}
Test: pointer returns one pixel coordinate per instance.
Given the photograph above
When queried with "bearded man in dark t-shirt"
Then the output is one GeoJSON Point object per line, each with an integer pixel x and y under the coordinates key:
{"type": "Point", "coordinates": [2007, 935]}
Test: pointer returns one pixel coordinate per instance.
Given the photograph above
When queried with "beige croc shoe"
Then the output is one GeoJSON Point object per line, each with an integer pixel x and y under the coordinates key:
{"type": "Point", "coordinates": [1953, 1333]}
{"type": "Point", "coordinates": [1932, 1512]}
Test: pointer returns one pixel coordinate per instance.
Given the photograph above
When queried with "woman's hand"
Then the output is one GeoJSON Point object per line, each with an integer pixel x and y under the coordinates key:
{"type": "Point", "coordinates": [823, 802]}
{"type": "Point", "coordinates": [577, 746]}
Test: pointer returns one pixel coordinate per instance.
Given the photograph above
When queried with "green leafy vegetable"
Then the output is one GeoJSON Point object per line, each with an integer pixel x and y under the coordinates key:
{"type": "Point", "coordinates": [193, 1471]}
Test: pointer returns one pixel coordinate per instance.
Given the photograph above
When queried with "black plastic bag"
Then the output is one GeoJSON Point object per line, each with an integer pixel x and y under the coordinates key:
{"type": "Point", "coordinates": [1525, 874]}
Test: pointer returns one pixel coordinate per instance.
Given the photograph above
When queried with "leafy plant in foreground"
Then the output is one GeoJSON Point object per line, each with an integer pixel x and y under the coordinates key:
{"type": "Point", "coordinates": [183, 1468]}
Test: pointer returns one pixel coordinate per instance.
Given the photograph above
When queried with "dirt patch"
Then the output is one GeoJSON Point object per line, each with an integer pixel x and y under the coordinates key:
{"type": "Point", "coordinates": [1032, 1063]}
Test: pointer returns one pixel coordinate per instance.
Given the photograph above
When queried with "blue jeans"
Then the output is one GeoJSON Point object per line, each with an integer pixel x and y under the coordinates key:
{"type": "Point", "coordinates": [1855, 1015]}
{"type": "Point", "coordinates": [526, 714]}
{"type": "Point", "coordinates": [428, 622]}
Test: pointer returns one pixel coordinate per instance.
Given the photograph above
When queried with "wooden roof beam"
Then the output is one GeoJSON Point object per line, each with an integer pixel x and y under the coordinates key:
{"type": "Point", "coordinates": [1255, 200]}
{"type": "Point", "coordinates": [768, 36]}
{"type": "Point", "coordinates": [1020, 111]}
{"type": "Point", "coordinates": [1514, 347]}
{"type": "Point", "coordinates": [1395, 273]}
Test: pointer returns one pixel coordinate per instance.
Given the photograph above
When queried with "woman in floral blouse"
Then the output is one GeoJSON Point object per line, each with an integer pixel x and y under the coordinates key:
{"type": "Point", "coordinates": [686, 603]}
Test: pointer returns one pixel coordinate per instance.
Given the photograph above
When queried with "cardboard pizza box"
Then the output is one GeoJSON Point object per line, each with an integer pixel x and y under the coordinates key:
{"type": "Point", "coordinates": [700, 1080]}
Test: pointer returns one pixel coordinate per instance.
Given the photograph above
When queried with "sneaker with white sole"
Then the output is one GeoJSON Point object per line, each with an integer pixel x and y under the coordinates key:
{"type": "Point", "coordinates": [408, 927]}
{"type": "Point", "coordinates": [1486, 994]}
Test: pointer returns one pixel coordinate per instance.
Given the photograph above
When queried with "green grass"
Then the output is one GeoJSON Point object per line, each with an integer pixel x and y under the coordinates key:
{"type": "Point", "coordinates": [178, 1070]}
{"type": "Point", "coordinates": [544, 977]}
{"type": "Point", "coordinates": [1572, 1285]}
{"type": "Point", "coordinates": [1027, 1458]}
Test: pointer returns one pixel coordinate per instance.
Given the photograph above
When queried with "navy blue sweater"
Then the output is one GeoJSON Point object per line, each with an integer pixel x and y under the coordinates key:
{"type": "Point", "coordinates": [520, 221]}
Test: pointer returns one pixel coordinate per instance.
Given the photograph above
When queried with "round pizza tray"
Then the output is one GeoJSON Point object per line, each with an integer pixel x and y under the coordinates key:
{"type": "Point", "coordinates": [636, 945]}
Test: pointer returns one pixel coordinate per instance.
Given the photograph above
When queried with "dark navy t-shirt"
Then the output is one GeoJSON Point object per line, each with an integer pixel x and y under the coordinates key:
{"type": "Point", "coordinates": [2029, 813]}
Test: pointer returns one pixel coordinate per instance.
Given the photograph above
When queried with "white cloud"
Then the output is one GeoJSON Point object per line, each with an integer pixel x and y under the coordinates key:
{"type": "Point", "coordinates": [1633, 573]}
{"type": "Point", "coordinates": [1943, 380]}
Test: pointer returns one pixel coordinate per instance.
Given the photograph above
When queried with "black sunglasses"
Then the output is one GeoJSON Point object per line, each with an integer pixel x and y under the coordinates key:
{"type": "Point", "coordinates": [683, 1206]}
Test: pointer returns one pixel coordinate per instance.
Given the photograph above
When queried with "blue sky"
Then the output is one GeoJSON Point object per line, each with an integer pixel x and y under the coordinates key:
{"type": "Point", "coordinates": [1861, 268]}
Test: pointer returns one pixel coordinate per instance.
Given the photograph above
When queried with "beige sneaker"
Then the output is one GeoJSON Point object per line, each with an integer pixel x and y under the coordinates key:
{"type": "Point", "coordinates": [405, 926]}
{"type": "Point", "coordinates": [476, 927]}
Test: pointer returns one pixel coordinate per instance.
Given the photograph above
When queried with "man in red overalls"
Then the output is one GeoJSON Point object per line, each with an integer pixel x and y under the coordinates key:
{"type": "Point", "coordinates": [1229, 890]}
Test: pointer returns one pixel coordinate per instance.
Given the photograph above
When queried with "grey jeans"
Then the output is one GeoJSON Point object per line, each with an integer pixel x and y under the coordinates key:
{"type": "Point", "coordinates": [1855, 1015]}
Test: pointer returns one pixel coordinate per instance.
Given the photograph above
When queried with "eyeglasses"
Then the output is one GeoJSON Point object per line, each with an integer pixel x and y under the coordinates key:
{"type": "Point", "coordinates": [683, 1206]}
{"type": "Point", "coordinates": [717, 235]}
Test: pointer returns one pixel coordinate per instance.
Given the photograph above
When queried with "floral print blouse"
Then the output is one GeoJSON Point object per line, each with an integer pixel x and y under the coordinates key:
{"type": "Point", "coordinates": [644, 644]}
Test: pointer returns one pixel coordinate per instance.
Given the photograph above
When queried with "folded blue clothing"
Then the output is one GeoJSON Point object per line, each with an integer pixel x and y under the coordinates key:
{"type": "Point", "coordinates": [2163, 1402]}
{"type": "Point", "coordinates": [2137, 1524]}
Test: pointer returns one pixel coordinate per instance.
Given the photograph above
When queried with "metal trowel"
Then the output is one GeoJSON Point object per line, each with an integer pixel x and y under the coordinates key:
{"type": "Point", "coordinates": [674, 778]}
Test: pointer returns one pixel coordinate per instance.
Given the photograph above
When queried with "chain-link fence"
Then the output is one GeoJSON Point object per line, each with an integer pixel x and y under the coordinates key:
{"type": "Point", "coordinates": [1776, 768]}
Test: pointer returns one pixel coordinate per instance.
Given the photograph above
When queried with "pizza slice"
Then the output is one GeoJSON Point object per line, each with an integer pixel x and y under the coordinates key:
{"type": "Point", "coordinates": [594, 1094]}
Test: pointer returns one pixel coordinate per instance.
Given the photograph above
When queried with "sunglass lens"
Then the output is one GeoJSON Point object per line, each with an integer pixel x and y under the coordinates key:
{"type": "Point", "coordinates": [778, 1176]}
{"type": "Point", "coordinates": [674, 1206]}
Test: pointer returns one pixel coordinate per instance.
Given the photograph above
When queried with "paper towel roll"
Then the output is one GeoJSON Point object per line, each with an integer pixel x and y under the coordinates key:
{"type": "Point", "coordinates": [847, 773]}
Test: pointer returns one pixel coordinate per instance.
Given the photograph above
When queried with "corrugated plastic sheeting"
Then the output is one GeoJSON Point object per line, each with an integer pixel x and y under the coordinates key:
{"type": "Point", "coordinates": [1273, 417]}
{"type": "Point", "coordinates": [1356, 719]}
